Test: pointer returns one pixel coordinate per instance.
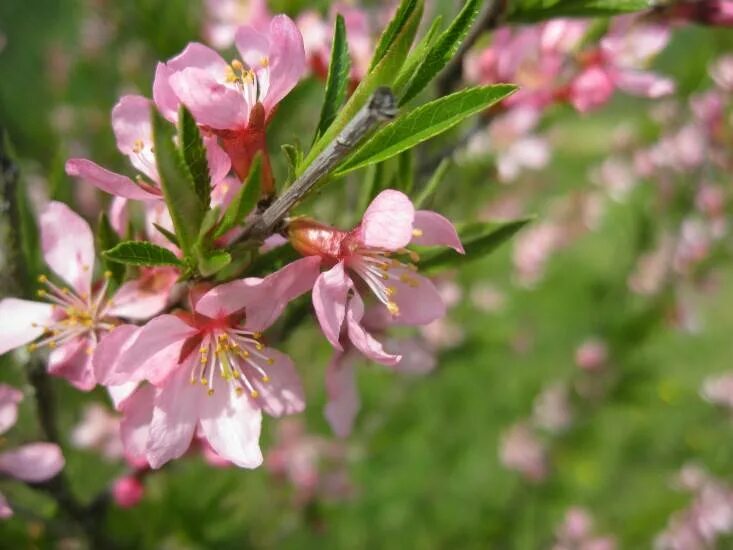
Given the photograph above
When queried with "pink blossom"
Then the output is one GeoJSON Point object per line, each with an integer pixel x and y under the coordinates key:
{"type": "Point", "coordinates": [131, 123]}
{"type": "Point", "coordinates": [234, 100]}
{"type": "Point", "coordinates": [619, 63]}
{"type": "Point", "coordinates": [127, 491]}
{"type": "Point", "coordinates": [224, 17]}
{"type": "Point", "coordinates": [74, 318]}
{"type": "Point", "coordinates": [616, 176]}
{"type": "Point", "coordinates": [722, 72]}
{"type": "Point", "coordinates": [533, 248]}
{"type": "Point", "coordinates": [551, 409]}
{"type": "Point", "coordinates": [706, 12]}
{"type": "Point", "coordinates": [32, 462]}
{"type": "Point", "coordinates": [524, 453]}
{"type": "Point", "coordinates": [99, 429]}
{"type": "Point", "coordinates": [719, 390]}
{"type": "Point", "coordinates": [218, 346]}
{"type": "Point", "coordinates": [591, 355]}
{"type": "Point", "coordinates": [576, 533]}
{"type": "Point", "coordinates": [364, 261]}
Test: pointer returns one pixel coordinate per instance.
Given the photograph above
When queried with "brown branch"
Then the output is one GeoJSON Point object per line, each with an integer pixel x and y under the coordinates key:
{"type": "Point", "coordinates": [489, 19]}
{"type": "Point", "coordinates": [381, 107]}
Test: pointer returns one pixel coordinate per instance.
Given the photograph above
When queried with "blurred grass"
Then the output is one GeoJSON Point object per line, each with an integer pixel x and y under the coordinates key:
{"type": "Point", "coordinates": [428, 474]}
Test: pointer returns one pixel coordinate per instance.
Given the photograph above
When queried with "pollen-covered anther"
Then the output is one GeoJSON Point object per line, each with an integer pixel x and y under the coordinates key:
{"type": "Point", "coordinates": [255, 394]}
{"type": "Point", "coordinates": [417, 232]}
{"type": "Point", "coordinates": [138, 146]}
{"type": "Point", "coordinates": [390, 291]}
{"type": "Point", "coordinates": [393, 308]}
{"type": "Point", "coordinates": [210, 392]}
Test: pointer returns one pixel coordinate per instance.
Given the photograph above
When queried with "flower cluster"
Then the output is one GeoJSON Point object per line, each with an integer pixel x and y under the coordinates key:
{"type": "Point", "coordinates": [184, 355]}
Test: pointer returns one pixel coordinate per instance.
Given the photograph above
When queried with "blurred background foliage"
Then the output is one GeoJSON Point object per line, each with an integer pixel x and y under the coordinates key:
{"type": "Point", "coordinates": [424, 458]}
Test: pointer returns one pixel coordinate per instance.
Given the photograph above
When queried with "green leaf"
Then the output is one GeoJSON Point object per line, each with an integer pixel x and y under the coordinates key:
{"type": "Point", "coordinates": [244, 201]}
{"type": "Point", "coordinates": [479, 240]}
{"type": "Point", "coordinates": [423, 123]}
{"type": "Point", "coordinates": [338, 77]}
{"type": "Point", "coordinates": [388, 37]}
{"type": "Point", "coordinates": [29, 234]}
{"type": "Point", "coordinates": [272, 260]}
{"type": "Point", "coordinates": [293, 156]}
{"type": "Point", "coordinates": [442, 51]}
{"type": "Point", "coordinates": [433, 183]}
{"type": "Point", "coordinates": [539, 10]}
{"type": "Point", "coordinates": [405, 176]}
{"type": "Point", "coordinates": [382, 74]}
{"type": "Point", "coordinates": [167, 234]}
{"type": "Point", "coordinates": [417, 56]}
{"type": "Point", "coordinates": [194, 154]}
{"type": "Point", "coordinates": [107, 238]}
{"type": "Point", "coordinates": [185, 208]}
{"type": "Point", "coordinates": [210, 220]}
{"type": "Point", "coordinates": [213, 262]}
{"type": "Point", "coordinates": [371, 186]}
{"type": "Point", "coordinates": [141, 253]}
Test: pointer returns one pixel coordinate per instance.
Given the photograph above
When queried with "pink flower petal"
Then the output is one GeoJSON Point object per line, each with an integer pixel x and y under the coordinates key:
{"type": "Point", "coordinates": [361, 339]}
{"type": "Point", "coordinates": [283, 393]}
{"type": "Point", "coordinates": [329, 301]}
{"type": "Point", "coordinates": [591, 89]}
{"type": "Point", "coordinates": [5, 510]}
{"type": "Point", "coordinates": [68, 245]}
{"type": "Point", "coordinates": [417, 359]}
{"type": "Point", "coordinates": [644, 83]}
{"type": "Point", "coordinates": [33, 463]}
{"type": "Point", "coordinates": [120, 393]}
{"type": "Point", "coordinates": [109, 182]}
{"type": "Point", "coordinates": [164, 334]}
{"type": "Point", "coordinates": [139, 299]}
{"type": "Point", "coordinates": [343, 397]}
{"type": "Point", "coordinates": [118, 216]}
{"type": "Point", "coordinates": [175, 416]}
{"type": "Point", "coordinates": [419, 303]}
{"type": "Point", "coordinates": [252, 46]}
{"type": "Point", "coordinates": [436, 230]}
{"type": "Point", "coordinates": [132, 128]}
{"type": "Point", "coordinates": [21, 322]}
{"type": "Point", "coordinates": [165, 98]}
{"type": "Point", "coordinates": [137, 413]}
{"type": "Point", "coordinates": [210, 102]}
{"type": "Point", "coordinates": [219, 161]}
{"type": "Point", "coordinates": [73, 361]}
{"type": "Point", "coordinates": [231, 424]}
{"type": "Point", "coordinates": [388, 221]}
{"type": "Point", "coordinates": [9, 399]}
{"type": "Point", "coordinates": [223, 300]}
{"type": "Point", "coordinates": [109, 350]}
{"type": "Point", "coordinates": [199, 56]}
{"type": "Point", "coordinates": [287, 59]}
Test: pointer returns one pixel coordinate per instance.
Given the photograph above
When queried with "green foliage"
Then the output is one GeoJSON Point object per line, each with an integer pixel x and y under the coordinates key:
{"type": "Point", "coordinates": [337, 81]}
{"type": "Point", "coordinates": [213, 261]}
{"type": "Point", "coordinates": [107, 239]}
{"type": "Point", "coordinates": [192, 148]}
{"type": "Point", "coordinates": [391, 32]}
{"type": "Point", "coordinates": [184, 205]}
{"type": "Point", "coordinates": [141, 253]}
{"type": "Point", "coordinates": [382, 73]}
{"type": "Point", "coordinates": [441, 52]}
{"type": "Point", "coordinates": [167, 234]}
{"type": "Point", "coordinates": [243, 202]}
{"type": "Point", "coordinates": [432, 185]}
{"type": "Point", "coordinates": [540, 10]}
{"type": "Point", "coordinates": [478, 239]}
{"type": "Point", "coordinates": [417, 55]}
{"type": "Point", "coordinates": [423, 123]}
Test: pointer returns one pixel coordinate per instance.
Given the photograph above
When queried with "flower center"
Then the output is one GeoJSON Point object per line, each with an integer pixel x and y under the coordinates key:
{"type": "Point", "coordinates": [234, 354]}
{"type": "Point", "coordinates": [381, 272]}
{"type": "Point", "coordinates": [252, 82]}
{"type": "Point", "coordinates": [80, 314]}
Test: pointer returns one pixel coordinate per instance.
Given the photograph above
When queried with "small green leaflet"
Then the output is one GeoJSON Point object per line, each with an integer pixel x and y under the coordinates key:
{"type": "Point", "coordinates": [194, 155]}
{"type": "Point", "coordinates": [479, 240]}
{"type": "Point", "coordinates": [141, 253]}
{"type": "Point", "coordinates": [539, 10]}
{"type": "Point", "coordinates": [442, 51]}
{"type": "Point", "coordinates": [213, 262]}
{"type": "Point", "coordinates": [338, 77]}
{"type": "Point", "coordinates": [423, 123]}
{"type": "Point", "coordinates": [404, 11]}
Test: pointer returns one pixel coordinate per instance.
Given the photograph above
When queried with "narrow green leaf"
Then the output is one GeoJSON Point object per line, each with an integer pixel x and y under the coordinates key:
{"type": "Point", "coordinates": [207, 224]}
{"type": "Point", "coordinates": [540, 10]}
{"type": "Point", "coordinates": [167, 234]}
{"type": "Point", "coordinates": [417, 56]}
{"type": "Point", "coordinates": [141, 253]}
{"type": "Point", "coordinates": [293, 156]}
{"type": "Point", "coordinates": [185, 208]}
{"type": "Point", "coordinates": [194, 154]}
{"type": "Point", "coordinates": [107, 238]}
{"type": "Point", "coordinates": [479, 240]}
{"type": "Point", "coordinates": [213, 262]}
{"type": "Point", "coordinates": [423, 123]}
{"type": "Point", "coordinates": [405, 172]}
{"type": "Point", "coordinates": [337, 81]}
{"type": "Point", "coordinates": [432, 185]}
{"type": "Point", "coordinates": [442, 51]}
{"type": "Point", "coordinates": [388, 37]}
{"type": "Point", "coordinates": [382, 74]}
{"type": "Point", "coordinates": [244, 201]}
{"type": "Point", "coordinates": [371, 186]}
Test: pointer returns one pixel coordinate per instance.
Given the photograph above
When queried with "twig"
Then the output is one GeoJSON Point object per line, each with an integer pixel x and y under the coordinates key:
{"type": "Point", "coordinates": [381, 107]}
{"type": "Point", "coordinates": [489, 19]}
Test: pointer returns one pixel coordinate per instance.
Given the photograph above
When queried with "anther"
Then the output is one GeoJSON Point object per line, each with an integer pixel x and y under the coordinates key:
{"type": "Point", "coordinates": [417, 232]}
{"type": "Point", "coordinates": [42, 279]}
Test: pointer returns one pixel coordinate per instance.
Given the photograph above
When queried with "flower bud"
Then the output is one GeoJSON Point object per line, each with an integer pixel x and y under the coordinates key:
{"type": "Point", "coordinates": [127, 491]}
{"type": "Point", "coordinates": [311, 238]}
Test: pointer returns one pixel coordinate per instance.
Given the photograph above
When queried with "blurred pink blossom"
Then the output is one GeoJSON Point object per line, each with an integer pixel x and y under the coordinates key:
{"type": "Point", "coordinates": [551, 410]}
{"type": "Point", "coordinates": [718, 389]}
{"type": "Point", "coordinates": [591, 355]}
{"type": "Point", "coordinates": [522, 451]}
{"type": "Point", "coordinates": [127, 491]}
{"type": "Point", "coordinates": [224, 17]}
{"type": "Point", "coordinates": [576, 533]}
{"type": "Point", "coordinates": [99, 429]}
